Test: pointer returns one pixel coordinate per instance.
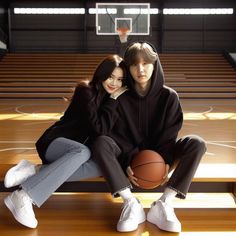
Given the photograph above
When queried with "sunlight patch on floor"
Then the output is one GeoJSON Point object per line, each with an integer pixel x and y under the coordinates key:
{"type": "Point", "coordinates": [210, 116]}
{"type": "Point", "coordinates": [193, 200]}
{"type": "Point", "coordinates": [207, 234]}
{"type": "Point", "coordinates": [56, 116]}
{"type": "Point", "coordinates": [219, 171]}
{"type": "Point", "coordinates": [32, 116]}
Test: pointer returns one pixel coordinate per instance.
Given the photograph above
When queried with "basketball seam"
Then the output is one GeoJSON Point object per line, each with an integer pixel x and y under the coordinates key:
{"type": "Point", "coordinates": [146, 163]}
{"type": "Point", "coordinates": [147, 180]}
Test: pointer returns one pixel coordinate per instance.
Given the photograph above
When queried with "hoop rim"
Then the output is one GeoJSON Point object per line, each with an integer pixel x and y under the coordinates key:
{"type": "Point", "coordinates": [123, 31]}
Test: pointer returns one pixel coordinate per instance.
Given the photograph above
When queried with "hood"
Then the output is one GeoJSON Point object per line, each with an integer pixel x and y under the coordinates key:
{"type": "Point", "coordinates": [157, 79]}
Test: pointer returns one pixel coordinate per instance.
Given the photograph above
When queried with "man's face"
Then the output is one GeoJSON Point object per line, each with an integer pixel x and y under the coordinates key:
{"type": "Point", "coordinates": [141, 72]}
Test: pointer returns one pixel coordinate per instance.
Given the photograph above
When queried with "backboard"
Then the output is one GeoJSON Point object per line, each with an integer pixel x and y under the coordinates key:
{"type": "Point", "coordinates": [112, 16]}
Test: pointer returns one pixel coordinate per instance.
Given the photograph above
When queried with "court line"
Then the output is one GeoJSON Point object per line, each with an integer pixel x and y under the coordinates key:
{"type": "Point", "coordinates": [35, 114]}
{"type": "Point", "coordinates": [17, 109]}
{"type": "Point", "coordinates": [221, 141]}
{"type": "Point", "coordinates": [221, 145]}
{"type": "Point", "coordinates": [39, 123]}
{"type": "Point", "coordinates": [210, 110]}
{"type": "Point", "coordinates": [10, 149]}
{"type": "Point", "coordinates": [10, 141]}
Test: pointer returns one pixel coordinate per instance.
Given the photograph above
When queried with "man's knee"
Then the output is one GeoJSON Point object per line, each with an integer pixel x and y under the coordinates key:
{"type": "Point", "coordinates": [104, 144]}
{"type": "Point", "coordinates": [196, 143]}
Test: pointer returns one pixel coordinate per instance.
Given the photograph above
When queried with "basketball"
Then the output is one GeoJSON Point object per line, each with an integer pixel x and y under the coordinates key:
{"type": "Point", "coordinates": [149, 168]}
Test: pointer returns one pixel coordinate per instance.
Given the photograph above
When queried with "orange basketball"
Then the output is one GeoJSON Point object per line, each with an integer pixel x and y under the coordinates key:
{"type": "Point", "coordinates": [149, 168]}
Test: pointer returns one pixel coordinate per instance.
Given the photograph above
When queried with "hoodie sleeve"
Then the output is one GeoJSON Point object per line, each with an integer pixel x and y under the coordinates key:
{"type": "Point", "coordinates": [172, 125]}
{"type": "Point", "coordinates": [101, 116]}
{"type": "Point", "coordinates": [102, 119]}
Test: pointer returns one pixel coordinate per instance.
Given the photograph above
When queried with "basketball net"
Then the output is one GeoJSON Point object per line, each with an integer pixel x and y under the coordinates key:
{"type": "Point", "coordinates": [123, 34]}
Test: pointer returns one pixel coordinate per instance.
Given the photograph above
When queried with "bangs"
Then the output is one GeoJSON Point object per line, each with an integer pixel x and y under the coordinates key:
{"type": "Point", "coordinates": [140, 51]}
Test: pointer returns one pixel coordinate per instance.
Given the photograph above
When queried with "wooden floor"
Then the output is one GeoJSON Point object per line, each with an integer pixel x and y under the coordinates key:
{"type": "Point", "coordinates": [22, 122]}
{"type": "Point", "coordinates": [97, 214]}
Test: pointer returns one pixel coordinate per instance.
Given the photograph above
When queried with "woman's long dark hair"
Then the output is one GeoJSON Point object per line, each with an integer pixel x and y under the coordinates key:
{"type": "Point", "coordinates": [102, 73]}
{"type": "Point", "coordinates": [105, 69]}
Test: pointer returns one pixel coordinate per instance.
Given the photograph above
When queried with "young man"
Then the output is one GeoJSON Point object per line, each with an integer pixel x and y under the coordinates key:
{"type": "Point", "coordinates": [150, 117]}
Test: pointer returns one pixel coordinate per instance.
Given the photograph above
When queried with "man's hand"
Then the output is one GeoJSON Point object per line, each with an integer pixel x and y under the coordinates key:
{"type": "Point", "coordinates": [166, 175]}
{"type": "Point", "coordinates": [131, 176]}
{"type": "Point", "coordinates": [118, 92]}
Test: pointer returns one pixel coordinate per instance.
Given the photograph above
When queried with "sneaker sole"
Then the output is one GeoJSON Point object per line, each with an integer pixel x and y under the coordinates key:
{"type": "Point", "coordinates": [134, 228]}
{"type": "Point", "coordinates": [9, 173]}
{"type": "Point", "coordinates": [163, 227]}
{"type": "Point", "coordinates": [11, 207]}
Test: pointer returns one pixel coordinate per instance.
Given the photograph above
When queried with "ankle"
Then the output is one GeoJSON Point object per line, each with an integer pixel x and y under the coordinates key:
{"type": "Point", "coordinates": [168, 195]}
{"type": "Point", "coordinates": [126, 194]}
{"type": "Point", "coordinates": [37, 168]}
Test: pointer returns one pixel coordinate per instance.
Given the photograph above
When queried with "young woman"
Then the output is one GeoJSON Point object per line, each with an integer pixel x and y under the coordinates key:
{"type": "Point", "coordinates": [91, 112]}
{"type": "Point", "coordinates": [150, 117]}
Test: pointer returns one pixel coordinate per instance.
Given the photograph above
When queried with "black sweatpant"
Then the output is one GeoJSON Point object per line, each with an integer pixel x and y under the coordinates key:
{"type": "Point", "coordinates": [188, 153]}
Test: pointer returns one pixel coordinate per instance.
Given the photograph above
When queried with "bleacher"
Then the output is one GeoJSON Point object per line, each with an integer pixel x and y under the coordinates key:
{"type": "Point", "coordinates": [55, 75]}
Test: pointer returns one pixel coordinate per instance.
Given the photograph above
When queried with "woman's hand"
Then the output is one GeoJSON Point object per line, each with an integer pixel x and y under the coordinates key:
{"type": "Point", "coordinates": [131, 176]}
{"type": "Point", "coordinates": [166, 174]}
{"type": "Point", "coordinates": [118, 92]}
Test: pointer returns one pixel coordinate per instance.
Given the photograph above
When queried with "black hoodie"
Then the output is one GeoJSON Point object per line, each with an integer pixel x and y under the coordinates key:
{"type": "Point", "coordinates": [148, 122]}
{"type": "Point", "coordinates": [86, 117]}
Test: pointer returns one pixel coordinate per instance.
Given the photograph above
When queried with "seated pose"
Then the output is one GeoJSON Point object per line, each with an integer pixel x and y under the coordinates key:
{"type": "Point", "coordinates": [150, 117]}
{"type": "Point", "coordinates": [91, 112]}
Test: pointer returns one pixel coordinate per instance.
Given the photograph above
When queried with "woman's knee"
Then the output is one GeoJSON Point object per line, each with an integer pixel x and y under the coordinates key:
{"type": "Point", "coordinates": [62, 146]}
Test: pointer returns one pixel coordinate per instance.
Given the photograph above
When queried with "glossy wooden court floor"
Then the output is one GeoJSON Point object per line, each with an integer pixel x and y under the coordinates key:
{"type": "Point", "coordinates": [22, 122]}
{"type": "Point", "coordinates": [97, 214]}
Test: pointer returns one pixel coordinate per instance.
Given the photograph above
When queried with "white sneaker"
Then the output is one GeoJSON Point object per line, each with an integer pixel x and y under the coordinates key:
{"type": "Point", "coordinates": [19, 173]}
{"type": "Point", "coordinates": [163, 216]}
{"type": "Point", "coordinates": [131, 216]}
{"type": "Point", "coordinates": [20, 205]}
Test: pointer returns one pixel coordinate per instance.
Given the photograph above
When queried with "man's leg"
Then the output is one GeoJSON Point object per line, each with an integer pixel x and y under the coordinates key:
{"type": "Point", "coordinates": [188, 153]}
{"type": "Point", "coordinates": [106, 151]}
{"type": "Point", "coordinates": [89, 169]}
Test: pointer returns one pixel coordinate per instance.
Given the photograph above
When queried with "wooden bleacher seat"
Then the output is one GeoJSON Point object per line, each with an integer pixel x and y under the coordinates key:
{"type": "Point", "coordinates": [210, 178]}
{"type": "Point", "coordinates": [44, 71]}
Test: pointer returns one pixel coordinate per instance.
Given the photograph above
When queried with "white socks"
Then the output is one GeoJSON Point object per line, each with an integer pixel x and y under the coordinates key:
{"type": "Point", "coordinates": [168, 195]}
{"type": "Point", "coordinates": [126, 194]}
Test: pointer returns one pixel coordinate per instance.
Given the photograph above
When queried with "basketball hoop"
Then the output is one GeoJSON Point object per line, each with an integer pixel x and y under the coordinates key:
{"type": "Point", "coordinates": [123, 34]}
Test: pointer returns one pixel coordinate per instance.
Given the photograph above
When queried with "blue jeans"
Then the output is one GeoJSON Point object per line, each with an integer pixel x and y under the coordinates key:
{"type": "Point", "coordinates": [69, 161]}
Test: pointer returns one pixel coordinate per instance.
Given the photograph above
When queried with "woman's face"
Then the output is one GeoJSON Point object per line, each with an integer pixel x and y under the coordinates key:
{"type": "Point", "coordinates": [114, 82]}
{"type": "Point", "coordinates": [141, 72]}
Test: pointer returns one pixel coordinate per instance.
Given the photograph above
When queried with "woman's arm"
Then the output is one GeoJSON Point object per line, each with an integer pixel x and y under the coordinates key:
{"type": "Point", "coordinates": [99, 115]}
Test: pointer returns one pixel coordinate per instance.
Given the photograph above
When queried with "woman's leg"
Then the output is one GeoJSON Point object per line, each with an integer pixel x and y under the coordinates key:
{"type": "Point", "coordinates": [89, 169]}
{"type": "Point", "coordinates": [66, 157]}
